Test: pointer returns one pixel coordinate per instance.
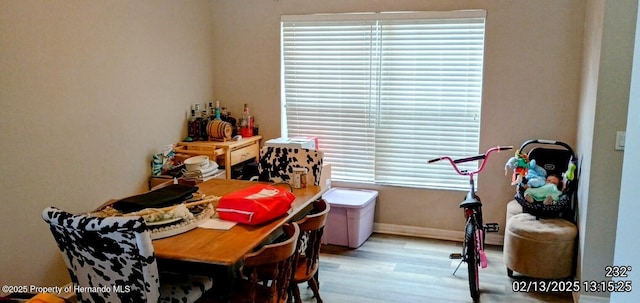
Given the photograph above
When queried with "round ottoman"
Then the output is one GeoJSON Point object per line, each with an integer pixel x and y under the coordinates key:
{"type": "Point", "coordinates": [542, 248]}
{"type": "Point", "coordinates": [513, 208]}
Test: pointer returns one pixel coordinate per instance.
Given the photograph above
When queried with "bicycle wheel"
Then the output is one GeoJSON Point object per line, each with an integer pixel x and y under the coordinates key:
{"type": "Point", "coordinates": [471, 253]}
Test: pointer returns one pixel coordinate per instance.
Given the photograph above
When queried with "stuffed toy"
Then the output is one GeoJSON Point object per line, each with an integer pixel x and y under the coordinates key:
{"type": "Point", "coordinates": [520, 165]}
{"type": "Point", "coordinates": [536, 175]}
{"type": "Point", "coordinates": [569, 175]}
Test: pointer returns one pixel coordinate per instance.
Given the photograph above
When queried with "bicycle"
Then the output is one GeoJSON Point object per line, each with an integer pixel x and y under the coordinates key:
{"type": "Point", "coordinates": [474, 231]}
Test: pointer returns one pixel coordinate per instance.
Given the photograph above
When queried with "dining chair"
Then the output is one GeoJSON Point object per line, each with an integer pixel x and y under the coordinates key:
{"type": "Point", "coordinates": [111, 259]}
{"type": "Point", "coordinates": [265, 273]}
{"type": "Point", "coordinates": [308, 253]}
{"type": "Point", "coordinates": [276, 164]}
{"type": "Point", "coordinates": [268, 270]}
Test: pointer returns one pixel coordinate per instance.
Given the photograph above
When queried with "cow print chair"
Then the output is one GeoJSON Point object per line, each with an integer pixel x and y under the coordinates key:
{"type": "Point", "coordinates": [112, 260]}
{"type": "Point", "coordinates": [277, 163]}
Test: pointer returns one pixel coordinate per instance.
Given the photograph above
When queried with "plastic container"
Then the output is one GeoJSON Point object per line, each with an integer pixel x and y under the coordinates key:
{"type": "Point", "coordinates": [350, 220]}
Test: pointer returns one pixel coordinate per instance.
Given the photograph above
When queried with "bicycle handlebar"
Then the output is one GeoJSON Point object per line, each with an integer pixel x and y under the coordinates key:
{"type": "Point", "coordinates": [482, 157]}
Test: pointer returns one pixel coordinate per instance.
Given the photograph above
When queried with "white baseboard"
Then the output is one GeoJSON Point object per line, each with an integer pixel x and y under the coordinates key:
{"type": "Point", "coordinates": [432, 233]}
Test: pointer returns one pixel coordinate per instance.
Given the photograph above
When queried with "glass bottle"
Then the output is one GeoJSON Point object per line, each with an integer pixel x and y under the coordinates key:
{"type": "Point", "coordinates": [217, 111]}
{"type": "Point", "coordinates": [212, 114]}
{"type": "Point", "coordinates": [197, 124]}
{"type": "Point", "coordinates": [204, 124]}
{"type": "Point", "coordinates": [246, 127]}
{"type": "Point", "coordinates": [191, 130]}
{"type": "Point", "coordinates": [227, 117]}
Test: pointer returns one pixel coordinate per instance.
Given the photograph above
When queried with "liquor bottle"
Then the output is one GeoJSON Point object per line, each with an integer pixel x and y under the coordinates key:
{"type": "Point", "coordinates": [212, 114]}
{"type": "Point", "coordinates": [204, 123]}
{"type": "Point", "coordinates": [217, 110]}
{"type": "Point", "coordinates": [250, 118]}
{"type": "Point", "coordinates": [191, 130]}
{"type": "Point", "coordinates": [197, 124]}
{"type": "Point", "coordinates": [246, 127]}
{"type": "Point", "coordinates": [226, 116]}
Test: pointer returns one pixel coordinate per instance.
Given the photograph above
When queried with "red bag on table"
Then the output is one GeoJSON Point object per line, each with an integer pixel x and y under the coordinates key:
{"type": "Point", "coordinates": [255, 205]}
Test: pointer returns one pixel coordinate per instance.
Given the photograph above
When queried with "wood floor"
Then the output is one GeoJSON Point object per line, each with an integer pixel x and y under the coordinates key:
{"type": "Point", "coordinates": [396, 269]}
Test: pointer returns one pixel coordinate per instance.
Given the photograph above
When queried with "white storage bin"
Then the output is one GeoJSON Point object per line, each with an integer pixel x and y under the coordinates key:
{"type": "Point", "coordinates": [350, 220]}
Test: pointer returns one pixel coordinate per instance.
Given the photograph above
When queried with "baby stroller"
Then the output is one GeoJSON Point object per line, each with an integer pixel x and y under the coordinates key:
{"type": "Point", "coordinates": [549, 158]}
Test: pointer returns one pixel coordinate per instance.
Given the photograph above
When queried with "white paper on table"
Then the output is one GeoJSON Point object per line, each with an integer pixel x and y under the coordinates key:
{"type": "Point", "coordinates": [215, 223]}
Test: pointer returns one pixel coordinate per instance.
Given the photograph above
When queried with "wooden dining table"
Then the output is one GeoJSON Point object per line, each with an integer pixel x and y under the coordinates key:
{"type": "Point", "coordinates": [218, 252]}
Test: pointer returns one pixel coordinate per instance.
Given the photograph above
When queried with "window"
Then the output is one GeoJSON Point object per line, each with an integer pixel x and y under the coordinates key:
{"type": "Point", "coordinates": [385, 92]}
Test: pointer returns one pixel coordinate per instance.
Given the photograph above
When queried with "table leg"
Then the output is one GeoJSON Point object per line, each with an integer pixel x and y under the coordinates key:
{"type": "Point", "coordinates": [225, 281]}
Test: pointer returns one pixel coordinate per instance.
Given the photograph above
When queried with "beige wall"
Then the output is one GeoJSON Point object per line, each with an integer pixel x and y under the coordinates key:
{"type": "Point", "coordinates": [89, 90]}
{"type": "Point", "coordinates": [627, 244]}
{"type": "Point", "coordinates": [608, 57]}
{"type": "Point", "coordinates": [531, 86]}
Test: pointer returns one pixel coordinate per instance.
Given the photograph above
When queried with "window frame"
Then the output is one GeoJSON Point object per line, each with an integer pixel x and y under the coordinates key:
{"type": "Point", "coordinates": [438, 176]}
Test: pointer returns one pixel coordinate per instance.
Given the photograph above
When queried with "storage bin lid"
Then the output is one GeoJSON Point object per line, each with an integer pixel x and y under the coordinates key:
{"type": "Point", "coordinates": [350, 198]}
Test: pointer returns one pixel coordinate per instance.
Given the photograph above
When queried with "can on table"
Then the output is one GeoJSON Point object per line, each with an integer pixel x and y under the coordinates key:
{"type": "Point", "coordinates": [299, 177]}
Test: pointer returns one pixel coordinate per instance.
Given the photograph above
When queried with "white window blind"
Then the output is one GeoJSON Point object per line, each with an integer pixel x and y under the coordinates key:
{"type": "Point", "coordinates": [385, 92]}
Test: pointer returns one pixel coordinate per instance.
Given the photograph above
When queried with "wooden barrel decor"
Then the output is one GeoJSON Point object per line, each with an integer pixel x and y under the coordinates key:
{"type": "Point", "coordinates": [219, 130]}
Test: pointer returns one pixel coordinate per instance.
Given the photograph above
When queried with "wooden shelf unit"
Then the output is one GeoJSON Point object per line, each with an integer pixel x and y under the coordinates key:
{"type": "Point", "coordinates": [229, 153]}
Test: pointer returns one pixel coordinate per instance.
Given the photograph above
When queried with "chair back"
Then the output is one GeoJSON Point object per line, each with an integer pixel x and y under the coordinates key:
{"type": "Point", "coordinates": [273, 264]}
{"type": "Point", "coordinates": [311, 230]}
{"type": "Point", "coordinates": [276, 164]}
{"type": "Point", "coordinates": [307, 259]}
{"type": "Point", "coordinates": [112, 258]}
